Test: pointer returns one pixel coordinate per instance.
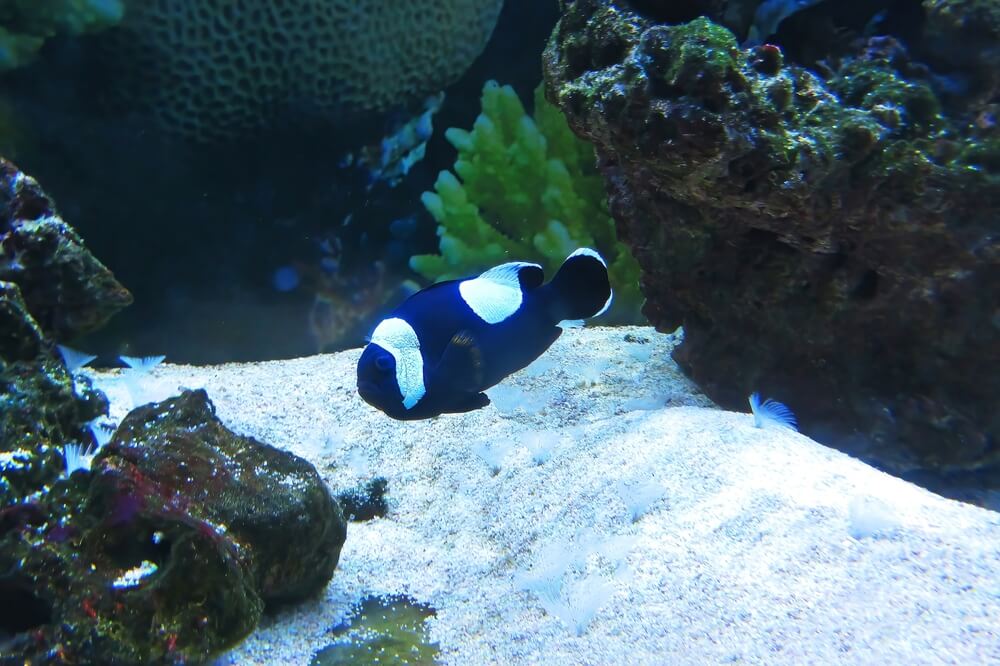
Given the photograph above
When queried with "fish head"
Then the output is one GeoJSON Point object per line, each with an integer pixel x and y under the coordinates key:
{"type": "Point", "coordinates": [377, 383]}
{"type": "Point", "coordinates": [391, 370]}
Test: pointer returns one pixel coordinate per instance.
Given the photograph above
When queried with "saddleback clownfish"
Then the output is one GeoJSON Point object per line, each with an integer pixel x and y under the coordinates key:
{"type": "Point", "coordinates": [446, 344]}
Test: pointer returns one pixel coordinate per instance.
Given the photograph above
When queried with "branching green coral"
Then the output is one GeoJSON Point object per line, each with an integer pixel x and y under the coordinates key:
{"type": "Point", "coordinates": [529, 190]}
{"type": "Point", "coordinates": [26, 24]}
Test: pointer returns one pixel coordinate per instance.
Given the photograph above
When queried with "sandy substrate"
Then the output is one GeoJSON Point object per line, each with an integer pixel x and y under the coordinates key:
{"type": "Point", "coordinates": [658, 529]}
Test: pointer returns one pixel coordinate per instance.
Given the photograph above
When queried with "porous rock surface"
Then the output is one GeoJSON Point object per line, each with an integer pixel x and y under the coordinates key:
{"type": "Point", "coordinates": [51, 288]}
{"type": "Point", "coordinates": [271, 503]}
{"type": "Point", "coordinates": [169, 548]}
{"type": "Point", "coordinates": [41, 404]}
{"type": "Point", "coordinates": [829, 238]}
{"type": "Point", "coordinates": [67, 290]}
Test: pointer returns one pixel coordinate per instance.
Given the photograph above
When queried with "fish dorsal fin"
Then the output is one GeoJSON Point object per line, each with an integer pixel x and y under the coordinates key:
{"type": "Point", "coordinates": [461, 365]}
{"type": "Point", "coordinates": [497, 294]}
{"type": "Point", "coordinates": [522, 274]}
{"type": "Point", "coordinates": [399, 339]}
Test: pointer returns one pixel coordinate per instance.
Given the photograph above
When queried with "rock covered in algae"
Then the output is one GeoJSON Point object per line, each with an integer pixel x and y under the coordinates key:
{"type": "Point", "coordinates": [50, 286]}
{"type": "Point", "coordinates": [964, 36]}
{"type": "Point", "coordinates": [170, 548]}
{"type": "Point", "coordinates": [271, 503]}
{"type": "Point", "coordinates": [830, 238]}
{"type": "Point", "coordinates": [67, 290]}
{"type": "Point", "coordinates": [42, 406]}
{"type": "Point", "coordinates": [382, 630]}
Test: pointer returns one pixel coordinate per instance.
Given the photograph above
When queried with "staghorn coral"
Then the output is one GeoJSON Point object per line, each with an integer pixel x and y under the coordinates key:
{"type": "Point", "coordinates": [538, 186]}
{"type": "Point", "coordinates": [214, 69]}
{"type": "Point", "coordinates": [25, 25]}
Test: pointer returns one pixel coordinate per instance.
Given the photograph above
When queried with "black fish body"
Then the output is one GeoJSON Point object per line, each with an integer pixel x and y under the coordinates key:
{"type": "Point", "coordinates": [439, 350]}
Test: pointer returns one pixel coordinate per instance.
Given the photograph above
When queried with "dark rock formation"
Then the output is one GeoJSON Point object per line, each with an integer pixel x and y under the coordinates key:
{"type": "Point", "coordinates": [50, 285]}
{"type": "Point", "coordinates": [67, 290]}
{"type": "Point", "coordinates": [170, 548]}
{"type": "Point", "coordinates": [169, 544]}
{"type": "Point", "coordinates": [41, 405]}
{"type": "Point", "coordinates": [829, 237]}
{"type": "Point", "coordinates": [365, 501]}
{"type": "Point", "coordinates": [270, 502]}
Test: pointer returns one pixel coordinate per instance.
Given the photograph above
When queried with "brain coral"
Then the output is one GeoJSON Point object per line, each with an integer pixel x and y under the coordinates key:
{"type": "Point", "coordinates": [213, 69]}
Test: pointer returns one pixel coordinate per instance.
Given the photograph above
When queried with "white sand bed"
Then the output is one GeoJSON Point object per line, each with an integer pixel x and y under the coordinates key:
{"type": "Point", "coordinates": [674, 535]}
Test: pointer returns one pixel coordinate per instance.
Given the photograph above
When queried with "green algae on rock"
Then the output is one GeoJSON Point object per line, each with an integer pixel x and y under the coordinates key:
{"type": "Point", "coordinates": [964, 34]}
{"type": "Point", "coordinates": [828, 235]}
{"type": "Point", "coordinates": [168, 549]}
{"type": "Point", "coordinates": [382, 630]}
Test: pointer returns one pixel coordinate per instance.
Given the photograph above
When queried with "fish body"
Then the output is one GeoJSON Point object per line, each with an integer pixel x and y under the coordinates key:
{"type": "Point", "coordinates": [439, 350]}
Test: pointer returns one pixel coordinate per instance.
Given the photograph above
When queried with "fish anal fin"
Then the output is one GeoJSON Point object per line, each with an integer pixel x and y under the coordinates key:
{"type": "Point", "coordinates": [469, 403]}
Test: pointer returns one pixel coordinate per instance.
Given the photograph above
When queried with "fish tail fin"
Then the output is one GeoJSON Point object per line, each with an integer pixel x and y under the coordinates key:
{"type": "Point", "coordinates": [581, 288]}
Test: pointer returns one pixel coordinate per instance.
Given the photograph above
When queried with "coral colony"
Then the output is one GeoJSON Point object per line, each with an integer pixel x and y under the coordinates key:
{"type": "Point", "coordinates": [559, 206]}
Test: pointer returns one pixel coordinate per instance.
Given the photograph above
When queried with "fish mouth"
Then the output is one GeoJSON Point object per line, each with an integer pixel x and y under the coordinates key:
{"type": "Point", "coordinates": [368, 393]}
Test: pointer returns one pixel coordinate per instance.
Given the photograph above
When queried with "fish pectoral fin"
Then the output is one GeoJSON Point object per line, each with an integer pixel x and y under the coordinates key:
{"type": "Point", "coordinates": [470, 402]}
{"type": "Point", "coordinates": [461, 365]}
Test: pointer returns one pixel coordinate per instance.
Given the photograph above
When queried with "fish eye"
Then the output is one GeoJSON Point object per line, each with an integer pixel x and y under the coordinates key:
{"type": "Point", "coordinates": [383, 363]}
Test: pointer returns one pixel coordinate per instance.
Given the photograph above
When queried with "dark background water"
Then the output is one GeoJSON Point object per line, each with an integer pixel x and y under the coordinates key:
{"type": "Point", "coordinates": [197, 232]}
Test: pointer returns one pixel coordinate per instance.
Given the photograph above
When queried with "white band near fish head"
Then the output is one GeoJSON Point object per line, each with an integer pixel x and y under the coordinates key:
{"type": "Point", "coordinates": [398, 338]}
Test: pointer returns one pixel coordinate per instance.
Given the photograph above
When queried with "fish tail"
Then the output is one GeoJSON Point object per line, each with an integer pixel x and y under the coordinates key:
{"type": "Point", "coordinates": [581, 288]}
